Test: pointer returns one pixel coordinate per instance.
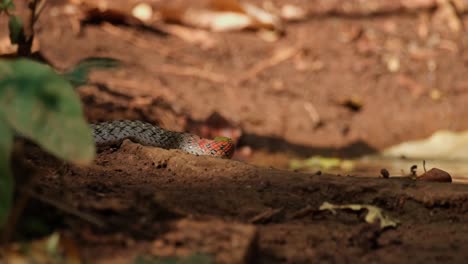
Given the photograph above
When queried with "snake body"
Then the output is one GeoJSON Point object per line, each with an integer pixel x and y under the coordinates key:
{"type": "Point", "coordinates": [114, 132]}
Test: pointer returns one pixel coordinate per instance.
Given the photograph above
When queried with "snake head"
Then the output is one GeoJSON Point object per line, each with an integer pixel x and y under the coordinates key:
{"type": "Point", "coordinates": [222, 147]}
{"type": "Point", "coordinates": [225, 146]}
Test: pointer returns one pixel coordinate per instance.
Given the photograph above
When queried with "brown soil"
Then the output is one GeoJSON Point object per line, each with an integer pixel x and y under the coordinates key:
{"type": "Point", "coordinates": [335, 96]}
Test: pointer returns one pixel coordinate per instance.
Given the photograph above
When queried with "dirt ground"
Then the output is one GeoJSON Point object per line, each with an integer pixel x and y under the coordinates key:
{"type": "Point", "coordinates": [362, 76]}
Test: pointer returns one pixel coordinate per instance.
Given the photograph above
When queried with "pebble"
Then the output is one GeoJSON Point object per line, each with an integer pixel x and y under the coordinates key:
{"type": "Point", "coordinates": [435, 175]}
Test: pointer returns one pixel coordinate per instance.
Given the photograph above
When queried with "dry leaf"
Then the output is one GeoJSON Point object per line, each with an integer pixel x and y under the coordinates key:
{"type": "Point", "coordinates": [446, 14]}
{"type": "Point", "coordinates": [143, 12]}
{"type": "Point", "coordinates": [262, 18]}
{"type": "Point", "coordinates": [292, 13]}
{"type": "Point", "coordinates": [442, 145]}
{"type": "Point", "coordinates": [216, 21]}
{"type": "Point", "coordinates": [222, 15]}
{"type": "Point", "coordinates": [198, 37]}
{"type": "Point", "coordinates": [374, 213]}
{"type": "Point", "coordinates": [268, 35]}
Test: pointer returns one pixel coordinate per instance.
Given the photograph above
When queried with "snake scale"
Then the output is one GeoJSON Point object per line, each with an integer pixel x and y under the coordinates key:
{"type": "Point", "coordinates": [115, 132]}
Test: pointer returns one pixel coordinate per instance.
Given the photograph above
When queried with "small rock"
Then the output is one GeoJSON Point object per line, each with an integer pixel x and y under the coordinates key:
{"type": "Point", "coordinates": [384, 172]}
{"type": "Point", "coordinates": [413, 170]}
{"type": "Point", "coordinates": [435, 175]}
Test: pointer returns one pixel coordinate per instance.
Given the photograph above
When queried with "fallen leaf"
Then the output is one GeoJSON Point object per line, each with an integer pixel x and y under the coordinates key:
{"type": "Point", "coordinates": [143, 11]}
{"type": "Point", "coordinates": [262, 18]}
{"type": "Point", "coordinates": [446, 15]}
{"type": "Point", "coordinates": [292, 13]}
{"type": "Point", "coordinates": [442, 145]}
{"type": "Point", "coordinates": [199, 37]}
{"type": "Point", "coordinates": [373, 215]}
{"type": "Point", "coordinates": [216, 21]}
{"type": "Point", "coordinates": [268, 35]}
{"type": "Point", "coordinates": [223, 15]}
{"type": "Point", "coordinates": [321, 163]}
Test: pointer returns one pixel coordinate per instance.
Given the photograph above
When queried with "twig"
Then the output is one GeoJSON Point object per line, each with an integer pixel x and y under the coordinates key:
{"type": "Point", "coordinates": [266, 216]}
{"type": "Point", "coordinates": [27, 180]}
{"type": "Point", "coordinates": [313, 113]}
{"type": "Point", "coordinates": [191, 72]}
{"type": "Point", "coordinates": [134, 39]}
{"type": "Point", "coordinates": [64, 207]}
{"type": "Point", "coordinates": [15, 214]}
{"type": "Point", "coordinates": [25, 43]}
{"type": "Point", "coordinates": [40, 4]}
{"type": "Point", "coordinates": [279, 56]}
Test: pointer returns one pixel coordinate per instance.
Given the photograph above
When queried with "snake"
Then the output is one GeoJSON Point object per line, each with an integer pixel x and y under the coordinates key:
{"type": "Point", "coordinates": [115, 132]}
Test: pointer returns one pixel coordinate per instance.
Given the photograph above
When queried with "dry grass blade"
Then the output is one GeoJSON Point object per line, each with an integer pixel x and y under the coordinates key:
{"type": "Point", "coordinates": [189, 71]}
{"type": "Point", "coordinates": [64, 207]}
{"type": "Point", "coordinates": [278, 57]}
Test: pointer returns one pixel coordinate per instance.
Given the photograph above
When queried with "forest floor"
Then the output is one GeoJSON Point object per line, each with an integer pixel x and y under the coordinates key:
{"type": "Point", "coordinates": [351, 81]}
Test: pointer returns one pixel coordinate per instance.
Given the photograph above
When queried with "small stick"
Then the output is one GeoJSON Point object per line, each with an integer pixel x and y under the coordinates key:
{"type": "Point", "coordinates": [64, 207]}
{"type": "Point", "coordinates": [278, 57]}
{"type": "Point", "coordinates": [191, 72]}
{"type": "Point", "coordinates": [313, 113]}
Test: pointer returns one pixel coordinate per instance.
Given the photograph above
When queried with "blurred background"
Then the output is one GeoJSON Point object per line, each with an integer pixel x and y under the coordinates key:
{"type": "Point", "coordinates": [319, 85]}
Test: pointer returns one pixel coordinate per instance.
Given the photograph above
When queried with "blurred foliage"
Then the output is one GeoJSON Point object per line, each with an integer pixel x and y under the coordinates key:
{"type": "Point", "coordinates": [39, 104]}
{"type": "Point", "coordinates": [78, 75]}
{"type": "Point", "coordinates": [15, 26]}
{"type": "Point", "coordinates": [6, 6]}
{"type": "Point", "coordinates": [318, 162]}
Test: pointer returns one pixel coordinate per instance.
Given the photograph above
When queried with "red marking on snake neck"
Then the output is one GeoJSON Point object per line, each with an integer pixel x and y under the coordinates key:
{"type": "Point", "coordinates": [220, 148]}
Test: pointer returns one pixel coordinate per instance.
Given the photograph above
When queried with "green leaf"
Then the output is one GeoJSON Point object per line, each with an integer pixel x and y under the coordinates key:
{"type": "Point", "coordinates": [6, 6]}
{"type": "Point", "coordinates": [40, 105]}
{"type": "Point", "coordinates": [78, 74]}
{"type": "Point", "coordinates": [6, 176]}
{"type": "Point", "coordinates": [15, 26]}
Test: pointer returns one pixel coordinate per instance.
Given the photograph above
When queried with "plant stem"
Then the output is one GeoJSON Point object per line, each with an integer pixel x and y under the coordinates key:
{"type": "Point", "coordinates": [35, 8]}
